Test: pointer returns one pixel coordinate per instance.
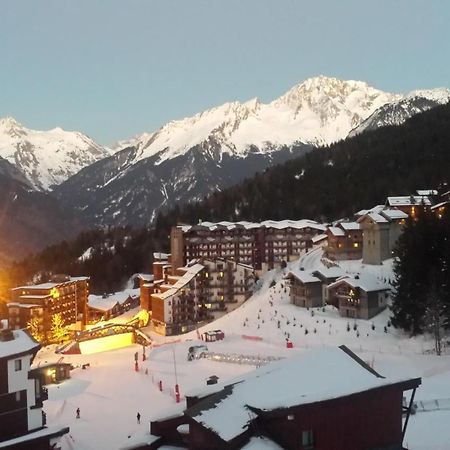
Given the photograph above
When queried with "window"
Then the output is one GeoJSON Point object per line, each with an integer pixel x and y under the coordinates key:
{"type": "Point", "coordinates": [307, 439]}
{"type": "Point", "coordinates": [18, 396]}
{"type": "Point", "coordinates": [18, 365]}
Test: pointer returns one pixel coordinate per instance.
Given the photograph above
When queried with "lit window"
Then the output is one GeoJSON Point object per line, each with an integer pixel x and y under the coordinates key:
{"type": "Point", "coordinates": [18, 365]}
{"type": "Point", "coordinates": [355, 244]}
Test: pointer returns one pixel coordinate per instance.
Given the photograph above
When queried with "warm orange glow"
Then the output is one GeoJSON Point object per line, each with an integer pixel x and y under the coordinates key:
{"type": "Point", "coordinates": [54, 293]}
{"type": "Point", "coordinates": [355, 244]}
{"type": "Point", "coordinates": [106, 343]}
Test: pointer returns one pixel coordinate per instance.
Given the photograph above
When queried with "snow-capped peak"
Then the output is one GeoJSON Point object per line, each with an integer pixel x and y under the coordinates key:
{"type": "Point", "coordinates": [49, 157]}
{"type": "Point", "coordinates": [320, 110]}
{"type": "Point", "coordinates": [438, 95]}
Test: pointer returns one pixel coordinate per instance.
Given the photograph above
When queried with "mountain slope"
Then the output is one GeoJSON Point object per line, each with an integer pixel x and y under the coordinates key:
{"type": "Point", "coordinates": [29, 220]}
{"type": "Point", "coordinates": [396, 112]}
{"type": "Point", "coordinates": [190, 158]}
{"type": "Point", "coordinates": [46, 158]}
{"type": "Point", "coordinates": [336, 181]}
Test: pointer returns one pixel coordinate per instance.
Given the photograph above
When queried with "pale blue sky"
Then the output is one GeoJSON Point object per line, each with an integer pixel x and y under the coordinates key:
{"type": "Point", "coordinates": [112, 69]}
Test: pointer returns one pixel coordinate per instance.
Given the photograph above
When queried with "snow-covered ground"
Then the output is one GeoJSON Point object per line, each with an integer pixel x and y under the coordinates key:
{"type": "Point", "coordinates": [110, 392]}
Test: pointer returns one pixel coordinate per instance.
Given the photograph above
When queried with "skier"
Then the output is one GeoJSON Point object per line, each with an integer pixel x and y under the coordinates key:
{"type": "Point", "coordinates": [78, 413]}
{"type": "Point", "coordinates": [138, 417]}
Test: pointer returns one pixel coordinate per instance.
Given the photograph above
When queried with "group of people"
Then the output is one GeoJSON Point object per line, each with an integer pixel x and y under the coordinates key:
{"type": "Point", "coordinates": [138, 415]}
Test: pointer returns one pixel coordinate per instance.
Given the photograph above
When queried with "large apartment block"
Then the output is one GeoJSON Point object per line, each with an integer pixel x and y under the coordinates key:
{"type": "Point", "coordinates": [63, 295]}
{"type": "Point", "coordinates": [263, 246]}
{"type": "Point", "coordinates": [181, 298]}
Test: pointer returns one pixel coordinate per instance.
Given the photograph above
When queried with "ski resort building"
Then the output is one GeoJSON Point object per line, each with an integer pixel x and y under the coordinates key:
{"type": "Point", "coordinates": [64, 295]}
{"type": "Point", "coordinates": [305, 289]}
{"type": "Point", "coordinates": [291, 404]}
{"type": "Point", "coordinates": [411, 204]}
{"type": "Point", "coordinates": [262, 246]}
{"type": "Point", "coordinates": [381, 229]}
{"type": "Point", "coordinates": [198, 292]}
{"type": "Point", "coordinates": [344, 241]}
{"type": "Point", "coordinates": [360, 296]}
{"type": "Point", "coordinates": [22, 420]}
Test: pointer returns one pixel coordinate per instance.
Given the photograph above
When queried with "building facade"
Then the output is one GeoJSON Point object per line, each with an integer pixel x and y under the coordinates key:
{"type": "Point", "coordinates": [359, 296]}
{"type": "Point", "coordinates": [293, 406]}
{"type": "Point", "coordinates": [381, 230]}
{"type": "Point", "coordinates": [65, 296]}
{"type": "Point", "coordinates": [305, 289]}
{"type": "Point", "coordinates": [263, 246]}
{"type": "Point", "coordinates": [344, 241]}
{"type": "Point", "coordinates": [22, 419]}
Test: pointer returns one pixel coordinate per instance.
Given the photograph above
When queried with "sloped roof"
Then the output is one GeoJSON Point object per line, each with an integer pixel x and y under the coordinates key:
{"type": "Point", "coordinates": [22, 343]}
{"type": "Point", "coordinates": [409, 200]}
{"type": "Point", "coordinates": [364, 281]}
{"type": "Point", "coordinates": [336, 231]}
{"type": "Point", "coordinates": [303, 276]}
{"type": "Point", "coordinates": [350, 225]}
{"type": "Point", "coordinates": [299, 380]}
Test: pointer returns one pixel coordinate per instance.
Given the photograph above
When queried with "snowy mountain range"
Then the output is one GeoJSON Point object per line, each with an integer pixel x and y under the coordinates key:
{"type": "Point", "coordinates": [187, 159]}
{"type": "Point", "coordinates": [46, 158]}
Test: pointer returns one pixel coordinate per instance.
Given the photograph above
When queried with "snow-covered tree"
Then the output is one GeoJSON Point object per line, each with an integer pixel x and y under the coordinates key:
{"type": "Point", "coordinates": [58, 330]}
{"type": "Point", "coordinates": [34, 326]}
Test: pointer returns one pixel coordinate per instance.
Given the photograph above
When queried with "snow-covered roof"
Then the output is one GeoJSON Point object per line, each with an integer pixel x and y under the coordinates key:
{"type": "Point", "coordinates": [24, 305]}
{"type": "Point", "coordinates": [393, 213]}
{"type": "Point", "coordinates": [107, 303]}
{"type": "Point", "coordinates": [426, 192]}
{"type": "Point", "coordinates": [329, 272]}
{"type": "Point", "coordinates": [189, 273]}
{"type": "Point", "coordinates": [38, 286]}
{"type": "Point", "coordinates": [439, 205]}
{"type": "Point", "coordinates": [161, 256]}
{"type": "Point", "coordinates": [261, 443]}
{"type": "Point", "coordinates": [363, 280]}
{"type": "Point", "coordinates": [375, 209]}
{"type": "Point", "coordinates": [318, 238]}
{"type": "Point", "coordinates": [44, 432]}
{"type": "Point", "coordinates": [348, 226]}
{"type": "Point", "coordinates": [146, 276]}
{"type": "Point", "coordinates": [38, 297]}
{"type": "Point", "coordinates": [303, 276]}
{"type": "Point", "coordinates": [409, 200]}
{"type": "Point", "coordinates": [276, 224]}
{"type": "Point", "coordinates": [336, 231]}
{"type": "Point", "coordinates": [299, 380]}
{"type": "Point", "coordinates": [375, 217]}
{"type": "Point", "coordinates": [22, 343]}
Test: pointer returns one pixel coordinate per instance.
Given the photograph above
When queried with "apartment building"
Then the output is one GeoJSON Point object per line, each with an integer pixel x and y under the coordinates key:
{"type": "Point", "coordinates": [63, 295]}
{"type": "Point", "coordinates": [263, 246]}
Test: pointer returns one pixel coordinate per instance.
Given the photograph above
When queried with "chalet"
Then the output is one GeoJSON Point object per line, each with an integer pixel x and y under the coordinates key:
{"type": "Point", "coordinates": [63, 295]}
{"type": "Point", "coordinates": [360, 296]}
{"type": "Point", "coordinates": [409, 204]}
{"type": "Point", "coordinates": [381, 228]}
{"type": "Point", "coordinates": [305, 289]}
{"type": "Point", "coordinates": [344, 241]}
{"type": "Point", "coordinates": [328, 275]}
{"type": "Point", "coordinates": [23, 422]}
{"type": "Point", "coordinates": [291, 404]}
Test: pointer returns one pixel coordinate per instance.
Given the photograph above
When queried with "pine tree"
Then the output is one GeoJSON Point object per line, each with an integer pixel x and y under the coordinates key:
{"type": "Point", "coordinates": [422, 285]}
